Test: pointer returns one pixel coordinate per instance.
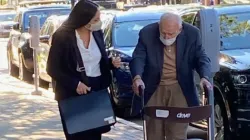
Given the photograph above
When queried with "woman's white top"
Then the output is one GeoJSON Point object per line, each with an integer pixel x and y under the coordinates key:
{"type": "Point", "coordinates": [91, 57]}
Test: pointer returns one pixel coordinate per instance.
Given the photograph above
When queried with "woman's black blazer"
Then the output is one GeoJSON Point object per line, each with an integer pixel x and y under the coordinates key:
{"type": "Point", "coordinates": [62, 63]}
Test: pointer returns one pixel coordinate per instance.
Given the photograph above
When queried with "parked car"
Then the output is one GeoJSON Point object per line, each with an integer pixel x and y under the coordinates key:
{"type": "Point", "coordinates": [231, 83]}
{"type": "Point", "coordinates": [20, 55]}
{"type": "Point", "coordinates": [6, 23]}
{"type": "Point", "coordinates": [121, 36]}
{"type": "Point", "coordinates": [47, 30]}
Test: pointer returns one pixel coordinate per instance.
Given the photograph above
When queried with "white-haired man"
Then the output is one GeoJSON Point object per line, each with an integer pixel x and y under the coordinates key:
{"type": "Point", "coordinates": [163, 62]}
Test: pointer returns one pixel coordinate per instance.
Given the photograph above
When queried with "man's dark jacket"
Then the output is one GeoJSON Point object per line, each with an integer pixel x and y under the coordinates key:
{"type": "Point", "coordinates": [148, 60]}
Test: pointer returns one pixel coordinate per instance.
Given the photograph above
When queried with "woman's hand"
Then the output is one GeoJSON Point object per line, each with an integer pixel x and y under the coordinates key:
{"type": "Point", "coordinates": [82, 88]}
{"type": "Point", "coordinates": [116, 61]}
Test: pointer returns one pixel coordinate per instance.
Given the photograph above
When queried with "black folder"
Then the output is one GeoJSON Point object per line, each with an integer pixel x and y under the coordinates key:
{"type": "Point", "coordinates": [87, 112]}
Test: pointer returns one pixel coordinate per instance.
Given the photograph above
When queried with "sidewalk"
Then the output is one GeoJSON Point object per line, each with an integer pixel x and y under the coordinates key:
{"type": "Point", "coordinates": [28, 117]}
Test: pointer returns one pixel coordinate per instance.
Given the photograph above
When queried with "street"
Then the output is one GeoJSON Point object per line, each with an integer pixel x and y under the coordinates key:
{"type": "Point", "coordinates": [28, 117]}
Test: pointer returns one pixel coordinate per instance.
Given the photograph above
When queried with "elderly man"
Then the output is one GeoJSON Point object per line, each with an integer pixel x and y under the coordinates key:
{"type": "Point", "coordinates": [164, 59]}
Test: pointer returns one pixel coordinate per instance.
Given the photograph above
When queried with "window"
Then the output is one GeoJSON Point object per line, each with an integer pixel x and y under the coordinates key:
{"type": "Point", "coordinates": [197, 21]}
{"type": "Point", "coordinates": [51, 29]}
{"type": "Point", "coordinates": [7, 17]}
{"type": "Point", "coordinates": [16, 18]}
{"type": "Point", "coordinates": [43, 15]}
{"type": "Point", "coordinates": [189, 18]}
{"type": "Point", "coordinates": [126, 34]}
{"type": "Point", "coordinates": [43, 28]}
{"type": "Point", "coordinates": [107, 34]}
{"type": "Point", "coordinates": [235, 31]}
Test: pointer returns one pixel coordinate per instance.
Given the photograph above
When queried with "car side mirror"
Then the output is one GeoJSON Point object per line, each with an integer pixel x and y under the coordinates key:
{"type": "Point", "coordinates": [16, 26]}
{"type": "Point", "coordinates": [45, 39]}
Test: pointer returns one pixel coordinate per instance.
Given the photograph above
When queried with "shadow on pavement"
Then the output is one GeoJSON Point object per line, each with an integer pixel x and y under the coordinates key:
{"type": "Point", "coordinates": [28, 117]}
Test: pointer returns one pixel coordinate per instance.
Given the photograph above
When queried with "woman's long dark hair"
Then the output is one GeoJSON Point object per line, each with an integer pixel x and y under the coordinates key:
{"type": "Point", "coordinates": [81, 14]}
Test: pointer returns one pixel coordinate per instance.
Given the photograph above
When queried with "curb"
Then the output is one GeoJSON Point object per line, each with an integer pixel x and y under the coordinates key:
{"type": "Point", "coordinates": [130, 124]}
{"type": "Point", "coordinates": [50, 94]}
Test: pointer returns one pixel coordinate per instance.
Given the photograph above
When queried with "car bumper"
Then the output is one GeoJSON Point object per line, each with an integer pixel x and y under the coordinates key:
{"type": "Point", "coordinates": [242, 111]}
{"type": "Point", "coordinates": [243, 127]}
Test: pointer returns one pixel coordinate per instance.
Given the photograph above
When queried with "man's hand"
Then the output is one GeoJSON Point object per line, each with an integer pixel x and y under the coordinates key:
{"type": "Point", "coordinates": [82, 88]}
{"type": "Point", "coordinates": [136, 83]}
{"type": "Point", "coordinates": [205, 82]}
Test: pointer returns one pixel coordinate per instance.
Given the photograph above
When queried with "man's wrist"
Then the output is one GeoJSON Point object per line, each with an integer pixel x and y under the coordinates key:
{"type": "Point", "coordinates": [206, 77]}
{"type": "Point", "coordinates": [136, 77]}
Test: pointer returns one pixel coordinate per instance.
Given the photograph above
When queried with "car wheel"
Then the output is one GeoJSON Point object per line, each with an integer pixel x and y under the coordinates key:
{"type": "Point", "coordinates": [24, 74]}
{"type": "Point", "coordinates": [13, 69]}
{"type": "Point", "coordinates": [221, 125]}
{"type": "Point", "coordinates": [43, 84]}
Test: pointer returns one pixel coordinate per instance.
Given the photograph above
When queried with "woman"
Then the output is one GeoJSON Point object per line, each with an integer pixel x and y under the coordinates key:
{"type": "Point", "coordinates": [82, 31]}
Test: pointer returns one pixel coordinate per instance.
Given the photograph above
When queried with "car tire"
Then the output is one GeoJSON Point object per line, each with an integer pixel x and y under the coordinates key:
{"type": "Point", "coordinates": [24, 74]}
{"type": "Point", "coordinates": [221, 121]}
{"type": "Point", "coordinates": [43, 84]}
{"type": "Point", "coordinates": [13, 69]}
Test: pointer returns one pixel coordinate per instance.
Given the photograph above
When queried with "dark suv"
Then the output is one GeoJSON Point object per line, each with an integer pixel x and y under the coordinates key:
{"type": "Point", "coordinates": [231, 83]}
{"type": "Point", "coordinates": [20, 55]}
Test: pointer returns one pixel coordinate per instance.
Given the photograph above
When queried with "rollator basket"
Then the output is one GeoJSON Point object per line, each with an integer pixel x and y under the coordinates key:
{"type": "Point", "coordinates": [183, 115]}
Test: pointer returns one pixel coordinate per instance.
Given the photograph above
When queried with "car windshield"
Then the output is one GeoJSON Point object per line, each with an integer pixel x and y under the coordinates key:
{"type": "Point", "coordinates": [235, 31]}
{"type": "Point", "coordinates": [43, 15]}
{"type": "Point", "coordinates": [7, 17]}
{"type": "Point", "coordinates": [127, 33]}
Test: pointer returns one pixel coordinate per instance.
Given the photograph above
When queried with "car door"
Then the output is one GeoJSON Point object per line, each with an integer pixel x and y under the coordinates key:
{"type": "Point", "coordinates": [121, 77]}
{"type": "Point", "coordinates": [15, 37]}
{"type": "Point", "coordinates": [44, 46]}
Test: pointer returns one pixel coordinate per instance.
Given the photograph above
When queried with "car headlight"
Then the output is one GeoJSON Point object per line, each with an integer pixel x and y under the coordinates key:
{"type": "Point", "coordinates": [240, 79]}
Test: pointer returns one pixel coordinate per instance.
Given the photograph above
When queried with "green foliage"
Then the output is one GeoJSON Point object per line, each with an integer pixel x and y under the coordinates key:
{"type": "Point", "coordinates": [3, 2]}
{"type": "Point", "coordinates": [230, 25]}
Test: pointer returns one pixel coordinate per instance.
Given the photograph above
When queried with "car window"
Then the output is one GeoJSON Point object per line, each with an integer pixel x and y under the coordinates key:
{"type": "Point", "coordinates": [7, 17]}
{"type": "Point", "coordinates": [127, 33]}
{"type": "Point", "coordinates": [189, 17]}
{"type": "Point", "coordinates": [197, 21]}
{"type": "Point", "coordinates": [235, 31]}
{"type": "Point", "coordinates": [105, 18]}
{"type": "Point", "coordinates": [43, 15]}
{"type": "Point", "coordinates": [107, 34]}
{"type": "Point", "coordinates": [16, 18]}
{"type": "Point", "coordinates": [44, 28]}
{"type": "Point", "coordinates": [51, 29]}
